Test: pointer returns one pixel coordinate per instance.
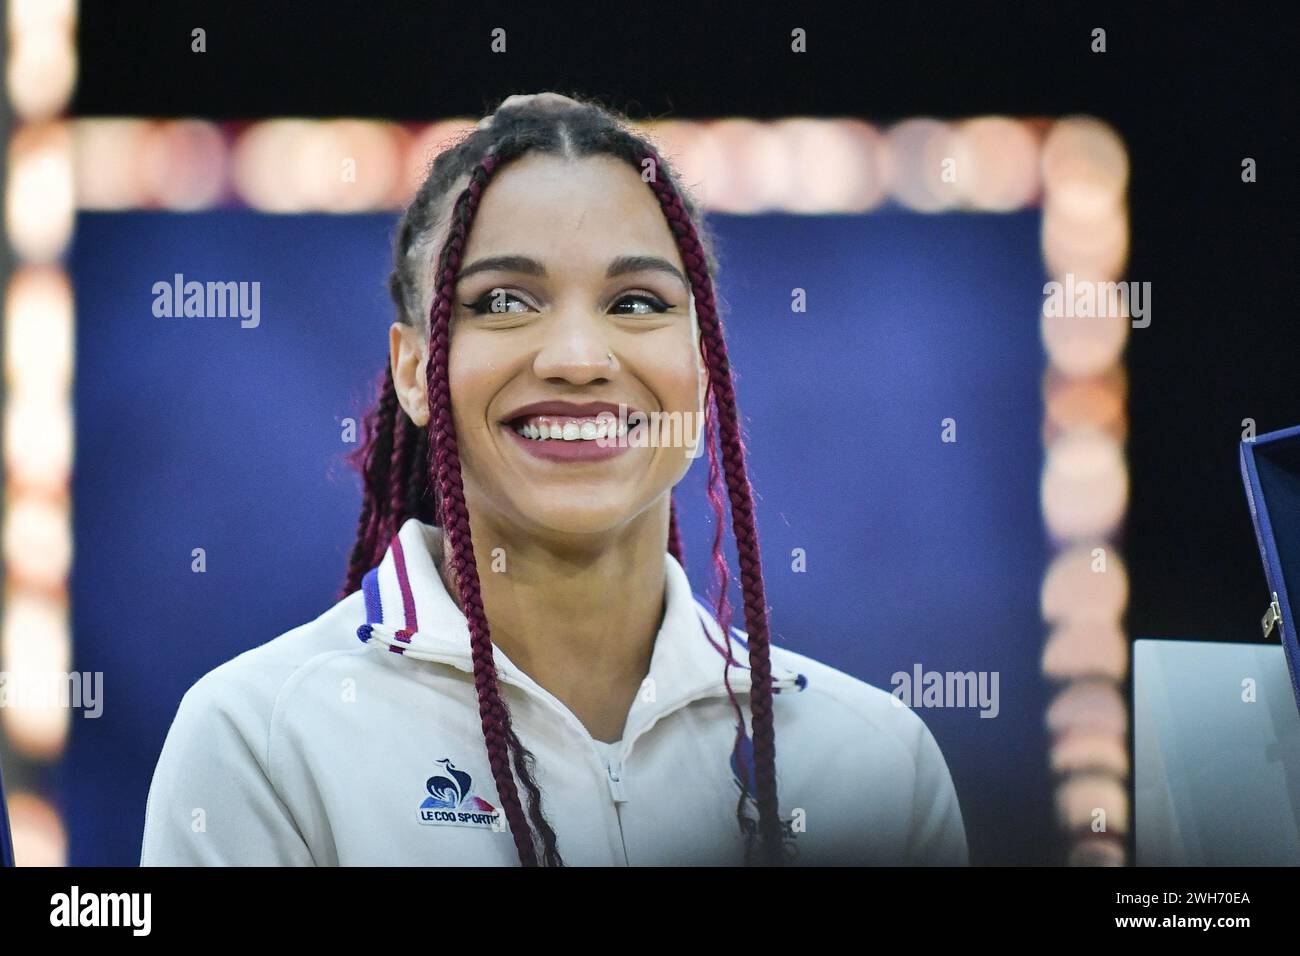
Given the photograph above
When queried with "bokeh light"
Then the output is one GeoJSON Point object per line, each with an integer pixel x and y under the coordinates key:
{"type": "Point", "coordinates": [1087, 580]}
{"type": "Point", "coordinates": [997, 164]}
{"type": "Point", "coordinates": [39, 837]}
{"type": "Point", "coordinates": [922, 164]}
{"type": "Point", "coordinates": [1085, 485]}
{"type": "Point", "coordinates": [39, 198]}
{"type": "Point", "coordinates": [183, 165]}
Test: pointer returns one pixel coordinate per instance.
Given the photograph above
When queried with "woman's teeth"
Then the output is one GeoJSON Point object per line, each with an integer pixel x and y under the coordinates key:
{"type": "Point", "coordinates": [580, 429]}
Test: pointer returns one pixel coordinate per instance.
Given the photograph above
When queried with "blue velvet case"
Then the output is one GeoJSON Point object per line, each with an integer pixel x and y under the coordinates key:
{"type": "Point", "coordinates": [1270, 469]}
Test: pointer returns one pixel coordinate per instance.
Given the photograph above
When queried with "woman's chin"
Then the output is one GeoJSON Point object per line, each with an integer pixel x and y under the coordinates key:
{"type": "Point", "coordinates": [580, 518]}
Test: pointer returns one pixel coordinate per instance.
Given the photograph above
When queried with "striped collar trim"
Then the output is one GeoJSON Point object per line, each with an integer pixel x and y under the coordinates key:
{"type": "Point", "coordinates": [401, 597]}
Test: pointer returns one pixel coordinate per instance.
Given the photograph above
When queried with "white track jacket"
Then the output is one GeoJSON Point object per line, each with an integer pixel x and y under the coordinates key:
{"type": "Point", "coordinates": [320, 748]}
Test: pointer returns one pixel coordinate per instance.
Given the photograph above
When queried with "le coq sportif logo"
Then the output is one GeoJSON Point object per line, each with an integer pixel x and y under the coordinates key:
{"type": "Point", "coordinates": [452, 802]}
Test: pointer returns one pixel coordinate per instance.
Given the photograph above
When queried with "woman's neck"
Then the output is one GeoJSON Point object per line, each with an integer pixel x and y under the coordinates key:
{"type": "Point", "coordinates": [581, 622]}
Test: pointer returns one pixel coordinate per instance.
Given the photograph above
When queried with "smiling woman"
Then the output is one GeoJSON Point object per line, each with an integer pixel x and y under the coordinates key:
{"type": "Point", "coordinates": [525, 623]}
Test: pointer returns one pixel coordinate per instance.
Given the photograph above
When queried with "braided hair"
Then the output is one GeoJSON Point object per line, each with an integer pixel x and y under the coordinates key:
{"type": "Point", "coordinates": [413, 472]}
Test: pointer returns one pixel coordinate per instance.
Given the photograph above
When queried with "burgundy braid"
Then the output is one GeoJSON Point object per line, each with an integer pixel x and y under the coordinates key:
{"type": "Point", "coordinates": [374, 459]}
{"type": "Point", "coordinates": [716, 492]}
{"type": "Point", "coordinates": [391, 460]}
{"type": "Point", "coordinates": [717, 495]}
{"type": "Point", "coordinates": [495, 717]}
{"type": "Point", "coordinates": [417, 479]}
{"type": "Point", "coordinates": [742, 504]}
{"type": "Point", "coordinates": [404, 441]}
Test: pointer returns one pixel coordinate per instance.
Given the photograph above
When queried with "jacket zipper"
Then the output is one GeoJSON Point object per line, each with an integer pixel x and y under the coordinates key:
{"type": "Point", "coordinates": [614, 772]}
{"type": "Point", "coordinates": [614, 769]}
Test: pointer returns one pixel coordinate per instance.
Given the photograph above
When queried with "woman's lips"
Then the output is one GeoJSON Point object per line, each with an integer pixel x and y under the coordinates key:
{"type": "Point", "coordinates": [570, 427]}
{"type": "Point", "coordinates": [569, 437]}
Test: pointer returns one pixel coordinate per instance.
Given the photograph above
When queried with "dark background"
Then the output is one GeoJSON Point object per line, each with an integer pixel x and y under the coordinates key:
{"type": "Point", "coordinates": [1192, 91]}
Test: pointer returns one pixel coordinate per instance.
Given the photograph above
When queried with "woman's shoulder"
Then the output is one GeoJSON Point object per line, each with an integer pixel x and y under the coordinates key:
{"type": "Point", "coordinates": [870, 735]}
{"type": "Point", "coordinates": [850, 706]}
{"type": "Point", "coordinates": [220, 755]}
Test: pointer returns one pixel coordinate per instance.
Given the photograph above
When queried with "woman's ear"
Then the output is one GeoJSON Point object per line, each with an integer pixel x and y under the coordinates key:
{"type": "Point", "coordinates": [408, 358]}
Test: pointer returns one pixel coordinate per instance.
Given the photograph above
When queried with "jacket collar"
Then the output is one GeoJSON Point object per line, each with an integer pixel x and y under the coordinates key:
{"type": "Point", "coordinates": [410, 612]}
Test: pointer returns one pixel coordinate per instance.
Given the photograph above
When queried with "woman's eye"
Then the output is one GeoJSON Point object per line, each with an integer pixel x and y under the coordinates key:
{"type": "Point", "coordinates": [643, 304]}
{"type": "Point", "coordinates": [503, 302]}
{"type": "Point", "coordinates": [498, 302]}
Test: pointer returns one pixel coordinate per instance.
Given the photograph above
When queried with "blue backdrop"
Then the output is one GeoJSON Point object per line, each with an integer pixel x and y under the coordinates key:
{"type": "Point", "coordinates": [197, 433]}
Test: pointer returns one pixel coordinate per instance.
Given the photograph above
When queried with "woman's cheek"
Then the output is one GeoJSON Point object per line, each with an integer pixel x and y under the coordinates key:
{"type": "Point", "coordinates": [669, 365]}
{"type": "Point", "coordinates": [678, 386]}
{"type": "Point", "coordinates": [471, 378]}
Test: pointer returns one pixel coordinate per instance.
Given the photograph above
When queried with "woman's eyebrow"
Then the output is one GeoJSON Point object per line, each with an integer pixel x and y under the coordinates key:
{"type": "Point", "coordinates": [645, 264]}
{"type": "Point", "coordinates": [504, 264]}
{"type": "Point", "coordinates": [530, 266]}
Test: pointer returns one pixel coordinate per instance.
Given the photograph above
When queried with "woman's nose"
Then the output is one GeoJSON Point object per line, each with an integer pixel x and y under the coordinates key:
{"type": "Point", "coordinates": [575, 350]}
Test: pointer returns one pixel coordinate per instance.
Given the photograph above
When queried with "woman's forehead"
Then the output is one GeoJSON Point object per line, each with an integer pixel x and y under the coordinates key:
{"type": "Point", "coordinates": [542, 203]}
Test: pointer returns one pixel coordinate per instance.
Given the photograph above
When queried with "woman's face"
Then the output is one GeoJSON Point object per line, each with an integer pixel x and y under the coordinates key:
{"type": "Point", "coordinates": [572, 301]}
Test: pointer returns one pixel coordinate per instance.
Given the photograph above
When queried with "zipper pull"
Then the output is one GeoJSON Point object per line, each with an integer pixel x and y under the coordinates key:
{"type": "Point", "coordinates": [615, 769]}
